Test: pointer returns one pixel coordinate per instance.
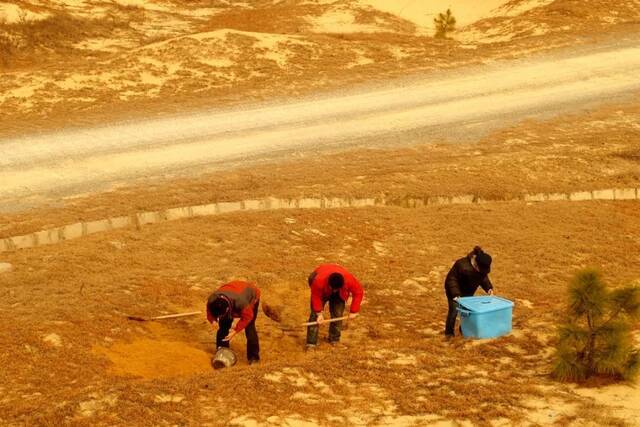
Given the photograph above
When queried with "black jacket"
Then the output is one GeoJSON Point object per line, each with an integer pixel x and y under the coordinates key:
{"type": "Point", "coordinates": [463, 280]}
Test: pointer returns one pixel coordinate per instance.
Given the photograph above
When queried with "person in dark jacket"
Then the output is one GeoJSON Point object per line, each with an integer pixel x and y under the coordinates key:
{"type": "Point", "coordinates": [462, 281]}
{"type": "Point", "coordinates": [334, 284]}
{"type": "Point", "coordinates": [239, 300]}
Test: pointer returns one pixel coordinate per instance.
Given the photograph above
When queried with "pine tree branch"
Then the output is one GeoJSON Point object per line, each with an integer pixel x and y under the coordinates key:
{"type": "Point", "coordinates": [612, 317]}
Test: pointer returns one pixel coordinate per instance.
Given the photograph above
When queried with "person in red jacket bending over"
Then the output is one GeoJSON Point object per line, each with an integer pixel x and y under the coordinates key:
{"type": "Point", "coordinates": [332, 283]}
{"type": "Point", "coordinates": [236, 300]}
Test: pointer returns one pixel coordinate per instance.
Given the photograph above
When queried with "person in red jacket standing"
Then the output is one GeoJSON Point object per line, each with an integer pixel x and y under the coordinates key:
{"type": "Point", "coordinates": [237, 300]}
{"type": "Point", "coordinates": [332, 283]}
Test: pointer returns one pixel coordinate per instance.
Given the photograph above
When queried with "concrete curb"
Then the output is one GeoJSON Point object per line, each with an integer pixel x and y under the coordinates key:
{"type": "Point", "coordinates": [137, 220]}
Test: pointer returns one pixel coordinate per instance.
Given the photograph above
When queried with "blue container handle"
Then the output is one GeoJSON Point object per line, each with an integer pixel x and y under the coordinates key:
{"type": "Point", "coordinates": [464, 313]}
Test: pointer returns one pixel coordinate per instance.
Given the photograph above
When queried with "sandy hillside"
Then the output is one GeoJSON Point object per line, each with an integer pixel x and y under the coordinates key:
{"type": "Point", "coordinates": [77, 62]}
{"type": "Point", "coordinates": [69, 355]}
{"type": "Point", "coordinates": [466, 12]}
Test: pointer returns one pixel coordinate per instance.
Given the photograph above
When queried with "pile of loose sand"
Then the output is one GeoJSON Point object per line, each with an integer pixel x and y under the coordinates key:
{"type": "Point", "coordinates": [149, 358]}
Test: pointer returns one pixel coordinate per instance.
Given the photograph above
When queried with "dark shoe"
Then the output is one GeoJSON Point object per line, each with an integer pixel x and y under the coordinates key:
{"type": "Point", "coordinates": [253, 361]}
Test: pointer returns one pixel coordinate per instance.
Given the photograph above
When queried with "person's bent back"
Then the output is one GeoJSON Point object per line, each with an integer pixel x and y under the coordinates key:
{"type": "Point", "coordinates": [332, 283]}
{"type": "Point", "coordinates": [236, 300]}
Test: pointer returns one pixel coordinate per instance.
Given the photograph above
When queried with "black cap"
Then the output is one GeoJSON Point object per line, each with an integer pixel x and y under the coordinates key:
{"type": "Point", "coordinates": [336, 281]}
{"type": "Point", "coordinates": [483, 260]}
{"type": "Point", "coordinates": [219, 306]}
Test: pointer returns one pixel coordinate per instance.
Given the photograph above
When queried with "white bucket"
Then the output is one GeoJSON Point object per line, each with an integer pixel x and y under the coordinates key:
{"type": "Point", "coordinates": [224, 358]}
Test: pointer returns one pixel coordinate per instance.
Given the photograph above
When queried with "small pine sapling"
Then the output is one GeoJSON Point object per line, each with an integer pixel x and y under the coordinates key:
{"type": "Point", "coordinates": [445, 23]}
{"type": "Point", "coordinates": [595, 338]}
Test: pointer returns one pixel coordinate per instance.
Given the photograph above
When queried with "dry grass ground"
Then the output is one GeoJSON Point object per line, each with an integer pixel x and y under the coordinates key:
{"type": "Point", "coordinates": [393, 365]}
{"type": "Point", "coordinates": [72, 63]}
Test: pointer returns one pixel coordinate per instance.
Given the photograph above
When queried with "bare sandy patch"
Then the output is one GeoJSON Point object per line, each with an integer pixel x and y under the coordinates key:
{"type": "Point", "coordinates": [201, 12]}
{"type": "Point", "coordinates": [518, 7]}
{"type": "Point", "coordinates": [218, 62]}
{"type": "Point", "coordinates": [150, 60]}
{"type": "Point", "coordinates": [80, 81]}
{"type": "Point", "coordinates": [144, 4]}
{"type": "Point", "coordinates": [493, 35]}
{"type": "Point", "coordinates": [340, 21]}
{"type": "Point", "coordinates": [276, 46]}
{"type": "Point", "coordinates": [152, 79]}
{"type": "Point", "coordinates": [361, 60]}
{"type": "Point", "coordinates": [548, 411]}
{"type": "Point", "coordinates": [526, 303]}
{"type": "Point", "coordinates": [69, 3]}
{"type": "Point", "coordinates": [26, 90]}
{"type": "Point", "coordinates": [13, 13]}
{"type": "Point", "coordinates": [624, 399]}
{"type": "Point", "coordinates": [103, 44]}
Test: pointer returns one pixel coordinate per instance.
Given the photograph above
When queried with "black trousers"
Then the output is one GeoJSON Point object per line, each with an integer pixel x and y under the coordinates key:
{"type": "Point", "coordinates": [253, 345]}
{"type": "Point", "coordinates": [450, 324]}
{"type": "Point", "coordinates": [336, 307]}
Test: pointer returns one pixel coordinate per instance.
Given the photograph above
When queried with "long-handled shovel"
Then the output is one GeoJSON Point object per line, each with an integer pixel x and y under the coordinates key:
{"type": "Point", "coordinates": [166, 316]}
{"type": "Point", "coordinates": [335, 319]}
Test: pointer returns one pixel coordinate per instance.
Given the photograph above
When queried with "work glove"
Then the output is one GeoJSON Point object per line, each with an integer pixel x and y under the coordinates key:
{"type": "Point", "coordinates": [320, 319]}
{"type": "Point", "coordinates": [352, 316]}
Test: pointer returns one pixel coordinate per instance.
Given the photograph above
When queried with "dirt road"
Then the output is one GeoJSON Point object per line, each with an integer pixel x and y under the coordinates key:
{"type": "Point", "coordinates": [75, 161]}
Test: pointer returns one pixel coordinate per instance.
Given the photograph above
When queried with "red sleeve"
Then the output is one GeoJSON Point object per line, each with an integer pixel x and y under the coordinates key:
{"type": "Point", "coordinates": [316, 297]}
{"type": "Point", "coordinates": [358, 293]}
{"type": "Point", "coordinates": [246, 315]}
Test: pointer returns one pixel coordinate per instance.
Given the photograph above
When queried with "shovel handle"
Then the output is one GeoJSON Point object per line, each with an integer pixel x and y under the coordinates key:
{"type": "Point", "coordinates": [173, 316]}
{"type": "Point", "coordinates": [166, 316]}
{"type": "Point", "coordinates": [335, 319]}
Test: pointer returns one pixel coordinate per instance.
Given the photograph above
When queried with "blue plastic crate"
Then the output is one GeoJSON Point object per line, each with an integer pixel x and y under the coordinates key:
{"type": "Point", "coordinates": [485, 316]}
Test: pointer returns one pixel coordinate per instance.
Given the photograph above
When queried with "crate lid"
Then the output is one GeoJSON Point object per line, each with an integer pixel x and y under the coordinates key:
{"type": "Point", "coordinates": [484, 304]}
